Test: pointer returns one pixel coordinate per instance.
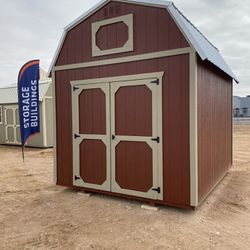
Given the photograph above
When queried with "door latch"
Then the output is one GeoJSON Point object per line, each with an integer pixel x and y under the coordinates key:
{"type": "Point", "coordinates": [77, 178]}
{"type": "Point", "coordinates": [157, 139]}
{"type": "Point", "coordinates": [158, 190]}
{"type": "Point", "coordinates": [156, 81]}
{"type": "Point", "coordinates": [76, 136]}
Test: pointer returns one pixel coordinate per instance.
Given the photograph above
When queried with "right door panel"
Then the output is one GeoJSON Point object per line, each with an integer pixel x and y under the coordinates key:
{"type": "Point", "coordinates": [135, 138]}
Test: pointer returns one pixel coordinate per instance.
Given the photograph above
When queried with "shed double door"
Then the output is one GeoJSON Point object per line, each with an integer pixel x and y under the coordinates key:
{"type": "Point", "coordinates": [116, 139]}
{"type": "Point", "coordinates": [12, 125]}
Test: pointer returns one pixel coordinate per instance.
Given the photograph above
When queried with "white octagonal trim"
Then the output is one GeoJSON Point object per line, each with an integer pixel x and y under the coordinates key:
{"type": "Point", "coordinates": [128, 46]}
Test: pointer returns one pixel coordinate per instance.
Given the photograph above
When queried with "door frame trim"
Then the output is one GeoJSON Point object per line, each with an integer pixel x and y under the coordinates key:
{"type": "Point", "coordinates": [156, 91]}
{"type": "Point", "coordinates": [158, 75]}
{"type": "Point", "coordinates": [119, 78]}
{"type": "Point", "coordinates": [15, 126]}
{"type": "Point", "coordinates": [105, 138]}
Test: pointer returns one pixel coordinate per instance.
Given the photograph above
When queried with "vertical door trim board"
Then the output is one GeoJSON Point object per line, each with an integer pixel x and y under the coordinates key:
{"type": "Point", "coordinates": [17, 126]}
{"type": "Point", "coordinates": [105, 138]}
{"type": "Point", "coordinates": [193, 128]}
{"type": "Point", "coordinates": [54, 125]}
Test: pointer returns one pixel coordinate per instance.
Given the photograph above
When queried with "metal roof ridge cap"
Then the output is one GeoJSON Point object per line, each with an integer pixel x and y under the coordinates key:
{"type": "Point", "coordinates": [100, 4]}
{"type": "Point", "coordinates": [159, 3]}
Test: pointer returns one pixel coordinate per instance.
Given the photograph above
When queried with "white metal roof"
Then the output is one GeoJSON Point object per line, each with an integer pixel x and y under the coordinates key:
{"type": "Point", "coordinates": [8, 95]}
{"type": "Point", "coordinates": [205, 49]}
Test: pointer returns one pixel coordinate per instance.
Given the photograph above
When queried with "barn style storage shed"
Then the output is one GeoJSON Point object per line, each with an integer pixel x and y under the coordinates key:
{"type": "Point", "coordinates": [143, 105]}
{"type": "Point", "coordinates": [9, 117]}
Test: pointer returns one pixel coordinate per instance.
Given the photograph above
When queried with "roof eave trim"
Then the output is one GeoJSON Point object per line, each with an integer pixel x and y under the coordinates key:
{"type": "Point", "coordinates": [58, 49]}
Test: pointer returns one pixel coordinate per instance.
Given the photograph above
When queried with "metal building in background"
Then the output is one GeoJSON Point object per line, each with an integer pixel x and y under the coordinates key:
{"type": "Point", "coordinates": [241, 106]}
{"type": "Point", "coordinates": [9, 116]}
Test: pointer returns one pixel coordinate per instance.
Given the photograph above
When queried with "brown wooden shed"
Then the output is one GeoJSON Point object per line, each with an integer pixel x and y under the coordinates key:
{"type": "Point", "coordinates": [143, 105]}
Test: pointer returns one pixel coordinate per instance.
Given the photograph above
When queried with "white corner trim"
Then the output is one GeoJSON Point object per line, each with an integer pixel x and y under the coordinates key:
{"type": "Point", "coordinates": [129, 44]}
{"type": "Point", "coordinates": [1, 114]}
{"type": "Point", "coordinates": [193, 133]}
{"type": "Point", "coordinates": [44, 123]}
{"type": "Point", "coordinates": [54, 125]}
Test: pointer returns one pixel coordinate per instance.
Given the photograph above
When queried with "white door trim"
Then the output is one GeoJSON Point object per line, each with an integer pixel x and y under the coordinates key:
{"type": "Point", "coordinates": [77, 141]}
{"type": "Point", "coordinates": [157, 162]}
{"type": "Point", "coordinates": [15, 126]}
{"type": "Point", "coordinates": [129, 79]}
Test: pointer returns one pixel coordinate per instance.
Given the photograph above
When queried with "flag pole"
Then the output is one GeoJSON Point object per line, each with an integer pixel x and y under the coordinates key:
{"type": "Point", "coordinates": [23, 152]}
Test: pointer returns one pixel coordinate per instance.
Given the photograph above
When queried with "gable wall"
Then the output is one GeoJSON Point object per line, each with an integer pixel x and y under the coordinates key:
{"type": "Point", "coordinates": [154, 30]}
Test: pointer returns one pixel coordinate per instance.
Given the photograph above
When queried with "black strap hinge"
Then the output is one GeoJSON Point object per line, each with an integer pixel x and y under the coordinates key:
{"type": "Point", "coordinates": [76, 136]}
{"type": "Point", "coordinates": [158, 190]}
{"type": "Point", "coordinates": [157, 139]}
{"type": "Point", "coordinates": [113, 137]}
{"type": "Point", "coordinates": [157, 82]}
{"type": "Point", "coordinates": [75, 88]}
{"type": "Point", "coordinates": [77, 178]}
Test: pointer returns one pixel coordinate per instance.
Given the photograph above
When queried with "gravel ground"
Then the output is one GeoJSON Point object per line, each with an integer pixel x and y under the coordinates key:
{"type": "Point", "coordinates": [36, 214]}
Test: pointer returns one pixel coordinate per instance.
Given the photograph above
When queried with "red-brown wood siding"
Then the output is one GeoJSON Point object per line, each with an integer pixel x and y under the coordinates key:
{"type": "Point", "coordinates": [92, 112]}
{"type": "Point", "coordinates": [134, 165]}
{"type": "Point", "coordinates": [117, 30]}
{"type": "Point", "coordinates": [133, 111]}
{"type": "Point", "coordinates": [93, 161]}
{"type": "Point", "coordinates": [214, 126]}
{"type": "Point", "coordinates": [154, 30]}
{"type": "Point", "coordinates": [176, 169]}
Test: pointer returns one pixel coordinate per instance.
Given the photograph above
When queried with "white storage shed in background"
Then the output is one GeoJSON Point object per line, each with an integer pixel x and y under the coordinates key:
{"type": "Point", "coordinates": [9, 116]}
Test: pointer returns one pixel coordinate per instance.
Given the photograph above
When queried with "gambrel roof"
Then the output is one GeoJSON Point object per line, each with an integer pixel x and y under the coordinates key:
{"type": "Point", "coordinates": [205, 49]}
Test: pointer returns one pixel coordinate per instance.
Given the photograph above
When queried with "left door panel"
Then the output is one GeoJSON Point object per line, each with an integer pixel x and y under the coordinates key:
{"type": "Point", "coordinates": [91, 136]}
{"type": "Point", "coordinates": [12, 125]}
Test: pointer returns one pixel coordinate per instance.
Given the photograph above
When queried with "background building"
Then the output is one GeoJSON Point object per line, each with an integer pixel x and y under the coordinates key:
{"type": "Point", "coordinates": [241, 106]}
{"type": "Point", "coordinates": [9, 115]}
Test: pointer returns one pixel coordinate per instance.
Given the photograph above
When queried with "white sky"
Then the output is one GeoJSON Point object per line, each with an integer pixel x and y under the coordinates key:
{"type": "Point", "coordinates": [31, 29]}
